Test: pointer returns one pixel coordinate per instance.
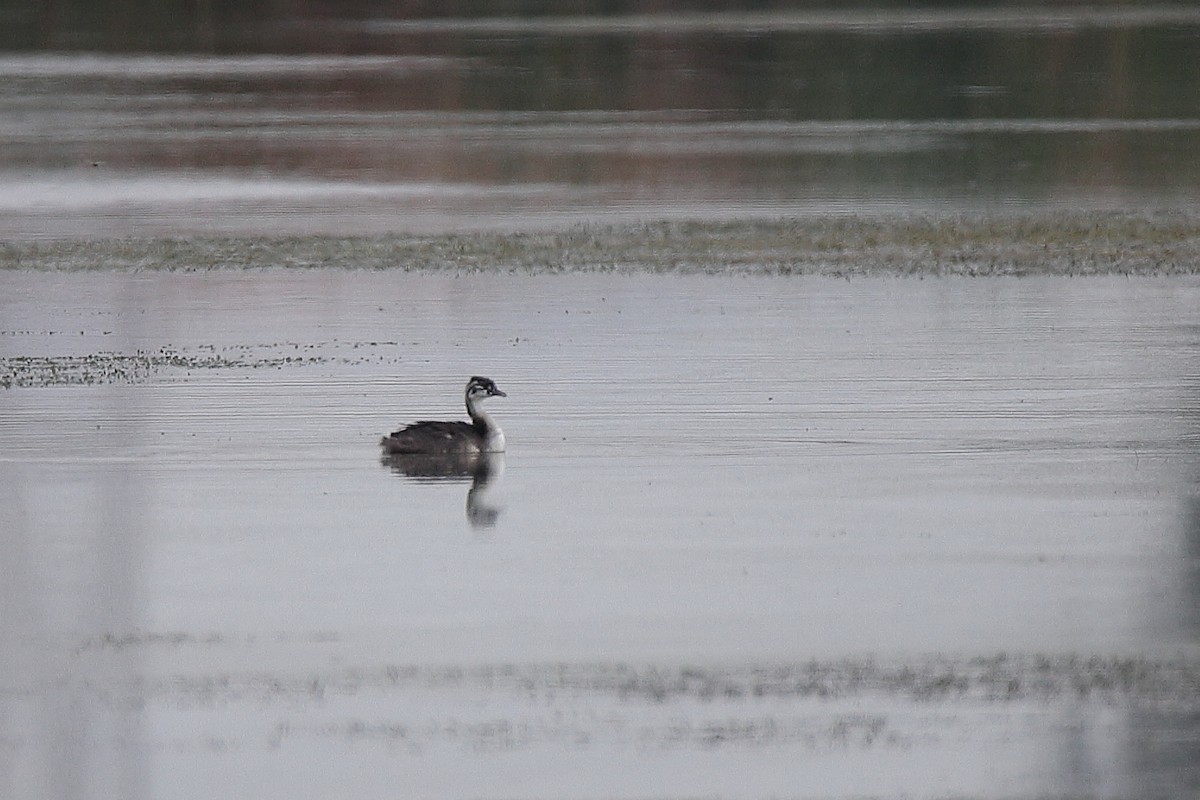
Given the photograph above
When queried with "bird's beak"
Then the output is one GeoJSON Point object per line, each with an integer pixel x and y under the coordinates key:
{"type": "Point", "coordinates": [498, 393]}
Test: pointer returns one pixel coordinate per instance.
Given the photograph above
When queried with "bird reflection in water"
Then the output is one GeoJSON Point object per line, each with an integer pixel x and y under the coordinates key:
{"type": "Point", "coordinates": [482, 469]}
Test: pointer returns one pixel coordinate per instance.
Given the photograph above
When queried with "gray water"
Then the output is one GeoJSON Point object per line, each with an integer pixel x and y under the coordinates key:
{"type": "Point", "coordinates": [752, 537]}
{"type": "Point", "coordinates": [340, 125]}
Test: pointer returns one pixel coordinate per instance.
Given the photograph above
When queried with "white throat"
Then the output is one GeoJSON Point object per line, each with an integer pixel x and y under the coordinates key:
{"type": "Point", "coordinates": [495, 437]}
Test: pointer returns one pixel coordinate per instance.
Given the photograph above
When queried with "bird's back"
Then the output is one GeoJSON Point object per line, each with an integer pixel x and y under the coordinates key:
{"type": "Point", "coordinates": [434, 437]}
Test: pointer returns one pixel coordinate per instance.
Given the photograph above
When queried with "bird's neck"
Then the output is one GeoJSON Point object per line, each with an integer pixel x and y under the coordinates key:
{"type": "Point", "coordinates": [489, 430]}
{"type": "Point", "coordinates": [479, 417]}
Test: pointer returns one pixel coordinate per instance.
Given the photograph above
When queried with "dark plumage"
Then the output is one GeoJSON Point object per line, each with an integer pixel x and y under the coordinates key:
{"type": "Point", "coordinates": [480, 435]}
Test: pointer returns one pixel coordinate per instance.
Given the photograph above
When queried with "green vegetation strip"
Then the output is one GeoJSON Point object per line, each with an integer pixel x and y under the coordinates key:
{"type": "Point", "coordinates": [1034, 243]}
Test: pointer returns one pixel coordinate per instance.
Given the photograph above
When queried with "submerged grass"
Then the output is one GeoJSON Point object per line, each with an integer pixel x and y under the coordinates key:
{"type": "Point", "coordinates": [1168, 681]}
{"type": "Point", "coordinates": [1018, 243]}
{"type": "Point", "coordinates": [140, 366]}
{"type": "Point", "coordinates": [107, 367]}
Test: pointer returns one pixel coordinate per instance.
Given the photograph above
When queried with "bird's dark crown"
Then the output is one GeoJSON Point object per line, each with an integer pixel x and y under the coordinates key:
{"type": "Point", "coordinates": [479, 382]}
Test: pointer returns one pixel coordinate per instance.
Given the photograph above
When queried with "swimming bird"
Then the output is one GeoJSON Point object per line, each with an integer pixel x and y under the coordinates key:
{"type": "Point", "coordinates": [480, 435]}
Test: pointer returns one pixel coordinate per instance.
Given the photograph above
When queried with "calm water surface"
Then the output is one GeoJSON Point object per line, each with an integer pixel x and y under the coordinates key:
{"type": "Point", "coordinates": [211, 575]}
{"type": "Point", "coordinates": [753, 537]}
{"type": "Point", "coordinates": [377, 125]}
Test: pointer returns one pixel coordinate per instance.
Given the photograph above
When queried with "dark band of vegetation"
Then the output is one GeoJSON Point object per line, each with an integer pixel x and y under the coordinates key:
{"type": "Point", "coordinates": [1168, 682]}
{"type": "Point", "coordinates": [1043, 243]}
{"type": "Point", "coordinates": [109, 367]}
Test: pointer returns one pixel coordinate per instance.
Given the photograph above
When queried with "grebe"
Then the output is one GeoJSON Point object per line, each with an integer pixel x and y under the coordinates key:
{"type": "Point", "coordinates": [480, 435]}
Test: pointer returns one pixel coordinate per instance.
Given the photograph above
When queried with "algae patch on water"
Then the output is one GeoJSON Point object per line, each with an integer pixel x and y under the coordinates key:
{"type": "Point", "coordinates": [110, 367]}
{"type": "Point", "coordinates": [1049, 241]}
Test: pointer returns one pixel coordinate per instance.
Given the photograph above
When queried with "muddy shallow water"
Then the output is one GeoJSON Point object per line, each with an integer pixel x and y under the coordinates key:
{"type": "Point", "coordinates": [753, 536]}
